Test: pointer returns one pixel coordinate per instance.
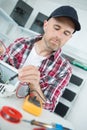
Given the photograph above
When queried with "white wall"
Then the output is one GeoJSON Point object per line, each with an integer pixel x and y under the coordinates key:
{"type": "Point", "coordinates": [78, 115]}
{"type": "Point", "coordinates": [44, 7]}
{"type": "Point", "coordinates": [8, 5]}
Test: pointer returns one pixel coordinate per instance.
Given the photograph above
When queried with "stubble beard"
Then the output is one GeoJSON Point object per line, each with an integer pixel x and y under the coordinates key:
{"type": "Point", "coordinates": [49, 47]}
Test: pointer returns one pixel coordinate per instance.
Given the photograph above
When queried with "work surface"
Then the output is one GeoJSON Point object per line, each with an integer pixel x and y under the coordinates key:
{"type": "Point", "coordinates": [46, 116]}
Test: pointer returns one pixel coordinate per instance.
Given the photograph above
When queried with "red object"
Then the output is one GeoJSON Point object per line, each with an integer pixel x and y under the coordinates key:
{"type": "Point", "coordinates": [10, 114]}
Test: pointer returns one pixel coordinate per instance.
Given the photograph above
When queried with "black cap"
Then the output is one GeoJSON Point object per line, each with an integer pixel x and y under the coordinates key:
{"type": "Point", "coordinates": [67, 11]}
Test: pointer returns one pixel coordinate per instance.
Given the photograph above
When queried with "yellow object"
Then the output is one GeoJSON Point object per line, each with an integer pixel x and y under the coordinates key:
{"type": "Point", "coordinates": [32, 105]}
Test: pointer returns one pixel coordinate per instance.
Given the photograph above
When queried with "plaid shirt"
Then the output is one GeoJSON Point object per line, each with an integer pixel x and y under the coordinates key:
{"type": "Point", "coordinates": [55, 71]}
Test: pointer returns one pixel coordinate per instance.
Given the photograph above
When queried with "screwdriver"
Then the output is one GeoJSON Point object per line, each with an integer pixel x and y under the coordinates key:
{"type": "Point", "coordinates": [45, 125]}
{"type": "Point", "coordinates": [11, 78]}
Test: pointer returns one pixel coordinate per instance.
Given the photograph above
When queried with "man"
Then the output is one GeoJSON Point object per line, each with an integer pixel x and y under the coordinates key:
{"type": "Point", "coordinates": [39, 59]}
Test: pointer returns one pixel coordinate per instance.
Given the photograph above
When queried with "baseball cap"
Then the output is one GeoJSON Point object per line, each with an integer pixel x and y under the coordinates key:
{"type": "Point", "coordinates": [67, 11]}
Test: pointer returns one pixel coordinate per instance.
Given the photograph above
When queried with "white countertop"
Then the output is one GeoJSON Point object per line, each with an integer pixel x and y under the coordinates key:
{"type": "Point", "coordinates": [46, 116]}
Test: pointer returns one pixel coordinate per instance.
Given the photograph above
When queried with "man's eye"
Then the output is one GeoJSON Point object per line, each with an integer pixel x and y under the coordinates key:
{"type": "Point", "coordinates": [56, 28]}
{"type": "Point", "coordinates": [67, 33]}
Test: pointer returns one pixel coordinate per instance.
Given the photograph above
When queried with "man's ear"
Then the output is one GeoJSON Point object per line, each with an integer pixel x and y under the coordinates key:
{"type": "Point", "coordinates": [45, 25]}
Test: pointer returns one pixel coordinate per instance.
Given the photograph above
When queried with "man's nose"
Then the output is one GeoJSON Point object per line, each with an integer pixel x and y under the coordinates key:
{"type": "Point", "coordinates": [60, 34]}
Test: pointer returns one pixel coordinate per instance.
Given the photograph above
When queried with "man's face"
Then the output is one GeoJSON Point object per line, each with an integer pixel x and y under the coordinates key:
{"type": "Point", "coordinates": [57, 32]}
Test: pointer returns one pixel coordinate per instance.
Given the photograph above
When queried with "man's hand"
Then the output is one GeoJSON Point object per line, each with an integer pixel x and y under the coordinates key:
{"type": "Point", "coordinates": [29, 74]}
